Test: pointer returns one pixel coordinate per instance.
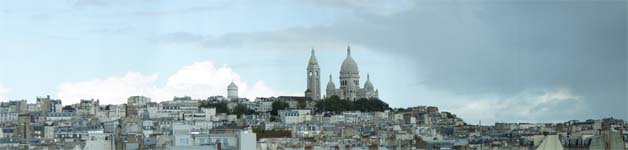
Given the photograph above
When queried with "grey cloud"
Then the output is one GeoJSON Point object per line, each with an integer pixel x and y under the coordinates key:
{"type": "Point", "coordinates": [175, 11]}
{"type": "Point", "coordinates": [496, 47]}
{"type": "Point", "coordinates": [290, 39]}
{"type": "Point", "coordinates": [506, 47]}
{"type": "Point", "coordinates": [120, 29]}
{"type": "Point", "coordinates": [179, 37]}
{"type": "Point", "coordinates": [376, 7]}
{"type": "Point", "coordinates": [140, 8]}
{"type": "Point", "coordinates": [88, 3]}
{"type": "Point", "coordinates": [294, 38]}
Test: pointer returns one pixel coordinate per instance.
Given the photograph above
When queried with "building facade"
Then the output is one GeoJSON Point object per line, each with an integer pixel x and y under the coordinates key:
{"type": "Point", "coordinates": [349, 81]}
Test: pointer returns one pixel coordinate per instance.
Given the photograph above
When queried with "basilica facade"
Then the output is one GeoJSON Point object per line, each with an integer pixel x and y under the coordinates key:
{"type": "Point", "coordinates": [349, 81]}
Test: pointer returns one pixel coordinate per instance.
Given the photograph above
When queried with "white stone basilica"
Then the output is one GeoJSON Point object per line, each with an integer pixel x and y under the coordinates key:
{"type": "Point", "coordinates": [349, 81]}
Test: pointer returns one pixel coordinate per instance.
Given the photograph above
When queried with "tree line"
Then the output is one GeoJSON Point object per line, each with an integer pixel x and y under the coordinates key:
{"type": "Point", "coordinates": [222, 107]}
{"type": "Point", "coordinates": [336, 104]}
{"type": "Point", "coordinates": [329, 104]}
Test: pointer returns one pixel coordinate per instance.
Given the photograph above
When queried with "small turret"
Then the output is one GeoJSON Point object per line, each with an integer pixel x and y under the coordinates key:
{"type": "Point", "coordinates": [232, 91]}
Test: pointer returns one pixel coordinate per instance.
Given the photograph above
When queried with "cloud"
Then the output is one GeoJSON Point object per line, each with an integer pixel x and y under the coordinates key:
{"type": "Point", "coordinates": [113, 29]}
{"type": "Point", "coordinates": [148, 8]}
{"type": "Point", "coordinates": [484, 53]}
{"type": "Point", "coordinates": [109, 90]}
{"type": "Point", "coordinates": [497, 49]}
{"type": "Point", "coordinates": [527, 106]}
{"type": "Point", "coordinates": [202, 79]}
{"type": "Point", "coordinates": [196, 9]}
{"type": "Point", "coordinates": [178, 37]}
{"type": "Point", "coordinates": [88, 3]}
{"type": "Point", "coordinates": [282, 40]}
{"type": "Point", "coordinates": [379, 7]}
{"type": "Point", "coordinates": [198, 80]}
{"type": "Point", "coordinates": [3, 92]}
{"type": "Point", "coordinates": [291, 39]}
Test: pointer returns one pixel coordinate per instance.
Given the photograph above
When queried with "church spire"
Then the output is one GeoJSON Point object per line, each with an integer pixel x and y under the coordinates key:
{"type": "Point", "coordinates": [313, 58]}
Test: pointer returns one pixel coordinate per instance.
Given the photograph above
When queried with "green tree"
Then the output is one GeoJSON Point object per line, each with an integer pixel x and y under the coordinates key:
{"type": "Point", "coordinates": [221, 107]}
{"type": "Point", "coordinates": [242, 110]}
{"type": "Point", "coordinates": [335, 104]}
{"type": "Point", "coordinates": [278, 105]}
{"type": "Point", "coordinates": [371, 104]}
{"type": "Point", "coordinates": [302, 104]}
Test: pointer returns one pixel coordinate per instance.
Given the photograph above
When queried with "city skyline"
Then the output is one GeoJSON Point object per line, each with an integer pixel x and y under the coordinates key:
{"type": "Point", "coordinates": [476, 60]}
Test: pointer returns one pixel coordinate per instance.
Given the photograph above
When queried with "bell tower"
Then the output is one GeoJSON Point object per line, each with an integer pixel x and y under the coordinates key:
{"type": "Point", "coordinates": [313, 78]}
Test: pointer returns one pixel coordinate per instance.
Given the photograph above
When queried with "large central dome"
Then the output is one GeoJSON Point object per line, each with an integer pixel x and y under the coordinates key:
{"type": "Point", "coordinates": [349, 65]}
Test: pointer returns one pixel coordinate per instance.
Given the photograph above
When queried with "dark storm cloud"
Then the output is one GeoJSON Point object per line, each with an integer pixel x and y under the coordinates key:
{"type": "Point", "coordinates": [497, 47]}
{"type": "Point", "coordinates": [506, 47]}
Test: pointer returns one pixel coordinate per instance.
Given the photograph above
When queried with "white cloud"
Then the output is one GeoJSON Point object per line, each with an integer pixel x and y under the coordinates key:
{"type": "Point", "coordinates": [109, 90]}
{"type": "Point", "coordinates": [199, 80]}
{"type": "Point", "coordinates": [3, 92]}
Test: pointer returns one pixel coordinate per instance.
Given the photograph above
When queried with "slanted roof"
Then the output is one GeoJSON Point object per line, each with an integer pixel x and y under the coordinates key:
{"type": "Point", "coordinates": [550, 142]}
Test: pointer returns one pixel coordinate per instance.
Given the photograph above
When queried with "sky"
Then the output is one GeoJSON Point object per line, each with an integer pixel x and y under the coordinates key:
{"type": "Point", "coordinates": [484, 60]}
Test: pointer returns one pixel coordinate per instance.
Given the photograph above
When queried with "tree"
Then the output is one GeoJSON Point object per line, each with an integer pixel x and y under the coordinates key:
{"type": "Point", "coordinates": [399, 109]}
{"type": "Point", "coordinates": [261, 133]}
{"type": "Point", "coordinates": [371, 104]}
{"type": "Point", "coordinates": [335, 104]}
{"type": "Point", "coordinates": [221, 107]}
{"type": "Point", "coordinates": [68, 108]}
{"type": "Point", "coordinates": [278, 105]}
{"type": "Point", "coordinates": [241, 109]}
{"type": "Point", "coordinates": [302, 104]}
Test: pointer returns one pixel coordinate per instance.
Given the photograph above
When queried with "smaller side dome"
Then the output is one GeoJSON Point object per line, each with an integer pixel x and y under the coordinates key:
{"type": "Point", "coordinates": [330, 84]}
{"type": "Point", "coordinates": [368, 85]}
